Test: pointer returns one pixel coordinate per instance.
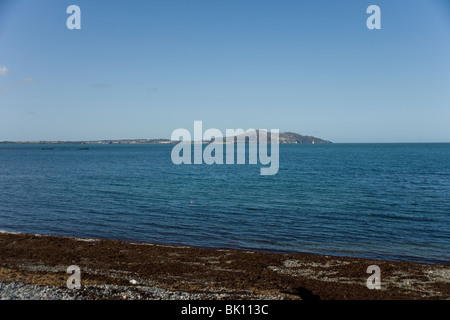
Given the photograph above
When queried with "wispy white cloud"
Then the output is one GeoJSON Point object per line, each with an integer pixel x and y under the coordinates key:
{"type": "Point", "coordinates": [3, 70]}
{"type": "Point", "coordinates": [25, 81]}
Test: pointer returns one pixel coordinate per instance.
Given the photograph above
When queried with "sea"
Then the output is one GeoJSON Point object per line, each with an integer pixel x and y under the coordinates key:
{"type": "Point", "coordinates": [380, 201]}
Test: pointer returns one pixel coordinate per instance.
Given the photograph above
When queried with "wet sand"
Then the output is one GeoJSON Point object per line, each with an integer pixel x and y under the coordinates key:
{"type": "Point", "coordinates": [199, 273]}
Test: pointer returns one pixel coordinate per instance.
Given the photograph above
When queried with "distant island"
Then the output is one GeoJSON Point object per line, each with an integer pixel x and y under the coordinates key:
{"type": "Point", "coordinates": [284, 137]}
{"type": "Point", "coordinates": [288, 137]}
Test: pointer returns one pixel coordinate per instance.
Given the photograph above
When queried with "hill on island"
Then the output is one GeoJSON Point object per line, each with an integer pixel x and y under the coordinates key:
{"type": "Point", "coordinates": [289, 137]}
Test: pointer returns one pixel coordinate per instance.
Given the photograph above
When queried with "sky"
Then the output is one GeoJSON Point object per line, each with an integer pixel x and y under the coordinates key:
{"type": "Point", "coordinates": [141, 69]}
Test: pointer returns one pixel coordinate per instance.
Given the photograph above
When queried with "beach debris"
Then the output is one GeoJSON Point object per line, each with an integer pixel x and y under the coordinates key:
{"type": "Point", "coordinates": [132, 281]}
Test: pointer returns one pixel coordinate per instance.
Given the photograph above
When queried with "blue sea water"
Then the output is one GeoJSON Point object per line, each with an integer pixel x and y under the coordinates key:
{"type": "Point", "coordinates": [387, 201]}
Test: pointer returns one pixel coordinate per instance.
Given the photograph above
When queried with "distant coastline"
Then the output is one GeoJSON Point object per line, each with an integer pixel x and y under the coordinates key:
{"type": "Point", "coordinates": [284, 137]}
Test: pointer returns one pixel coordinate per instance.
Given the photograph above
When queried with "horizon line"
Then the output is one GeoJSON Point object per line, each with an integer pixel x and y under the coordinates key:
{"type": "Point", "coordinates": [148, 141]}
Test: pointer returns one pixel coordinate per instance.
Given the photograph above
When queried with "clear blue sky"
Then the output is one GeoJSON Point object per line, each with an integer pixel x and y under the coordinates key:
{"type": "Point", "coordinates": [140, 69]}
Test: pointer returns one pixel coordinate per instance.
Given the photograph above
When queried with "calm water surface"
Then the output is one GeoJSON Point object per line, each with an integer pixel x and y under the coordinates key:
{"type": "Point", "coordinates": [389, 201]}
